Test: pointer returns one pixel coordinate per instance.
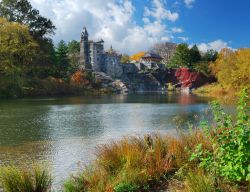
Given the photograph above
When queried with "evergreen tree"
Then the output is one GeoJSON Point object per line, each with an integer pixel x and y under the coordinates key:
{"type": "Point", "coordinates": [195, 54]}
{"type": "Point", "coordinates": [73, 47]}
{"type": "Point", "coordinates": [210, 55]}
{"type": "Point", "coordinates": [182, 57]}
{"type": "Point", "coordinates": [73, 55]}
{"type": "Point", "coordinates": [62, 60]}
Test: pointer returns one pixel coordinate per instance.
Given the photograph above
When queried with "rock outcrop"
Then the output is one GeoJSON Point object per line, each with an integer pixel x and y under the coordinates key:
{"type": "Point", "coordinates": [133, 80]}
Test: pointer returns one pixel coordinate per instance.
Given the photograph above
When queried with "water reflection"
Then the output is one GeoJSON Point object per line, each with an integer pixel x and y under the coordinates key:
{"type": "Point", "coordinates": [63, 131]}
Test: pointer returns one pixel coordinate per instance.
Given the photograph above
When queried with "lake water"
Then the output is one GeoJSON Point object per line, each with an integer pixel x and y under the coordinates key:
{"type": "Point", "coordinates": [65, 131]}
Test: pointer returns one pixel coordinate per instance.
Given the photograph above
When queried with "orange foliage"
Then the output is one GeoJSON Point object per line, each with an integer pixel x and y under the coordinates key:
{"type": "Point", "coordinates": [137, 56]}
{"type": "Point", "coordinates": [80, 78]}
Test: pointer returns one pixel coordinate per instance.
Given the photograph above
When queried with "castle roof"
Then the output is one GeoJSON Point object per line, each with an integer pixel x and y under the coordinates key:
{"type": "Point", "coordinates": [152, 55]}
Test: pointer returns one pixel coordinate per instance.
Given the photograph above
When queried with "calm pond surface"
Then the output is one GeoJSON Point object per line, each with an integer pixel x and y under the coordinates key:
{"type": "Point", "coordinates": [64, 131]}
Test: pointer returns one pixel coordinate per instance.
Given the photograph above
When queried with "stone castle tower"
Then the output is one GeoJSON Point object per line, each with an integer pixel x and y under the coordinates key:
{"type": "Point", "coordinates": [84, 51]}
{"type": "Point", "coordinates": [93, 57]}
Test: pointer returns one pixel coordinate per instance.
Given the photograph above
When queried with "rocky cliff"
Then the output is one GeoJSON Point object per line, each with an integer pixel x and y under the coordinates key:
{"type": "Point", "coordinates": [133, 80]}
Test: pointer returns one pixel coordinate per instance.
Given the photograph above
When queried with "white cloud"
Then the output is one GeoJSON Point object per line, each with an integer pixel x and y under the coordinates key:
{"type": "Point", "coordinates": [189, 3]}
{"type": "Point", "coordinates": [113, 21]}
{"type": "Point", "coordinates": [183, 38]}
{"type": "Point", "coordinates": [159, 11]}
{"type": "Point", "coordinates": [216, 45]}
{"type": "Point", "coordinates": [177, 30]}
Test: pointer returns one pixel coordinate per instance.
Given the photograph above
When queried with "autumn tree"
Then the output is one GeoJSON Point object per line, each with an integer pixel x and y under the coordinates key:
{"type": "Point", "coordinates": [40, 28]}
{"type": "Point", "coordinates": [232, 68]}
{"type": "Point", "coordinates": [137, 56]}
{"type": "Point", "coordinates": [125, 58]}
{"type": "Point", "coordinates": [17, 49]}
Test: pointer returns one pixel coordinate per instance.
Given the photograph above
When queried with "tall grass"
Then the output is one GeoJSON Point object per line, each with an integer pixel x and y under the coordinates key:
{"type": "Point", "coordinates": [135, 163]}
{"type": "Point", "coordinates": [23, 179]}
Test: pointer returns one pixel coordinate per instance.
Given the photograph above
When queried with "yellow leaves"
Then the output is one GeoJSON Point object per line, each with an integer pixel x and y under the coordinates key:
{"type": "Point", "coordinates": [137, 56]}
{"type": "Point", "coordinates": [233, 68]}
{"type": "Point", "coordinates": [17, 47]}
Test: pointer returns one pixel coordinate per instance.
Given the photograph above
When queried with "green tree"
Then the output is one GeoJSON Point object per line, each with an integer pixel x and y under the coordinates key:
{"type": "Point", "coordinates": [210, 55]}
{"type": "Point", "coordinates": [21, 11]}
{"type": "Point", "coordinates": [73, 46]}
{"type": "Point", "coordinates": [62, 60]}
{"type": "Point", "coordinates": [44, 64]}
{"type": "Point", "coordinates": [73, 55]}
{"type": "Point", "coordinates": [182, 57]}
{"type": "Point", "coordinates": [195, 54]}
{"type": "Point", "coordinates": [203, 65]}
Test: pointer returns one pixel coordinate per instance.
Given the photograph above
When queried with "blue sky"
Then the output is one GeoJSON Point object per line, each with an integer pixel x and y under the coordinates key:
{"type": "Point", "coordinates": [208, 20]}
{"type": "Point", "coordinates": [136, 25]}
{"type": "Point", "coordinates": [218, 19]}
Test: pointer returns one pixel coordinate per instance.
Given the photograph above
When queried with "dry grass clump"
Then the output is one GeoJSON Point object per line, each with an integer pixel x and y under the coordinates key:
{"type": "Point", "coordinates": [197, 180]}
{"type": "Point", "coordinates": [135, 163]}
{"type": "Point", "coordinates": [23, 179]}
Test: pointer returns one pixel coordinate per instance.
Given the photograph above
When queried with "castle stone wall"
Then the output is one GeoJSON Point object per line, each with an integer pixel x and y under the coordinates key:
{"type": "Point", "coordinates": [113, 67]}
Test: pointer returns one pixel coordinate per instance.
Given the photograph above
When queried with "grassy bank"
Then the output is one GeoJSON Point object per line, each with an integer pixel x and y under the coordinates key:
{"type": "Point", "coordinates": [212, 158]}
{"type": "Point", "coordinates": [217, 91]}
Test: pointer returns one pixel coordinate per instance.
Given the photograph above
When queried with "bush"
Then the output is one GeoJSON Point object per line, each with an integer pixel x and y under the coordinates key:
{"type": "Point", "coordinates": [11, 86]}
{"type": "Point", "coordinates": [21, 179]}
{"type": "Point", "coordinates": [229, 157]}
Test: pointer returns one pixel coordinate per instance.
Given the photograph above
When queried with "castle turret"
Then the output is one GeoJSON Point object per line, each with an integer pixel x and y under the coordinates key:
{"type": "Point", "coordinates": [84, 50]}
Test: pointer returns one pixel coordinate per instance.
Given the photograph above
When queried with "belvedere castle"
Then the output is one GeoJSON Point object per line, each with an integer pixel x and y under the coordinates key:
{"type": "Point", "coordinates": [94, 58]}
{"type": "Point", "coordinates": [145, 74]}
